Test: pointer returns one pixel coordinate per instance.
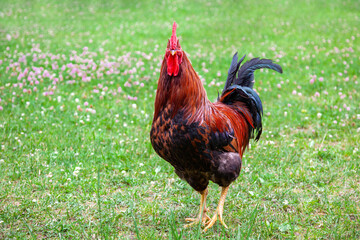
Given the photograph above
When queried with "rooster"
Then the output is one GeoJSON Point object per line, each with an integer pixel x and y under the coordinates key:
{"type": "Point", "coordinates": [202, 140]}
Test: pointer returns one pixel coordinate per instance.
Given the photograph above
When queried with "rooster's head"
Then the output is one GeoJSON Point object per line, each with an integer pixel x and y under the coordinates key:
{"type": "Point", "coordinates": [173, 54]}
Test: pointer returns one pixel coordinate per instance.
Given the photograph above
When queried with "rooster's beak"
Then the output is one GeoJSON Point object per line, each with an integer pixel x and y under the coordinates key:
{"type": "Point", "coordinates": [172, 52]}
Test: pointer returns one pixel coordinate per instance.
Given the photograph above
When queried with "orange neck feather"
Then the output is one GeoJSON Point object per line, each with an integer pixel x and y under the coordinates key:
{"type": "Point", "coordinates": [182, 92]}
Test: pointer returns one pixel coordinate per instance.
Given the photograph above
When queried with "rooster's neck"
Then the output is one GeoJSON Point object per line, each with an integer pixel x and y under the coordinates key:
{"type": "Point", "coordinates": [182, 93]}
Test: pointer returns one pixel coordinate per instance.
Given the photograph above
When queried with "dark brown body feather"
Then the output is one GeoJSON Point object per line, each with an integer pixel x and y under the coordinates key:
{"type": "Point", "coordinates": [202, 140]}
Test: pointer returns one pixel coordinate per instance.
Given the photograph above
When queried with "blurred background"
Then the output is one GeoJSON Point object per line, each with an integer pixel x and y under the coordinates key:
{"type": "Point", "coordinates": [77, 88]}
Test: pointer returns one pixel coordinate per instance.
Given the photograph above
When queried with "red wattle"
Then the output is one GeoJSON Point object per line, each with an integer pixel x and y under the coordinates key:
{"type": "Point", "coordinates": [173, 65]}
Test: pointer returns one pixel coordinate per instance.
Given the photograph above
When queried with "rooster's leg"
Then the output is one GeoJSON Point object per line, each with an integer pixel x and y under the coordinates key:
{"type": "Point", "coordinates": [219, 210]}
{"type": "Point", "coordinates": [202, 213]}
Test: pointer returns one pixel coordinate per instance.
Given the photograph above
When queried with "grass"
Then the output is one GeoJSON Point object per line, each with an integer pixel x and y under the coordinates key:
{"type": "Point", "coordinates": [75, 157]}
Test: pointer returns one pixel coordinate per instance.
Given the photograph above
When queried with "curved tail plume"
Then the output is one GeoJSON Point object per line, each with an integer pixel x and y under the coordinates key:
{"type": "Point", "coordinates": [238, 89]}
{"type": "Point", "coordinates": [245, 75]}
{"type": "Point", "coordinates": [246, 72]}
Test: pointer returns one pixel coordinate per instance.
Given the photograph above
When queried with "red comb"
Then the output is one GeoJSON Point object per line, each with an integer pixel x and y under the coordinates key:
{"type": "Point", "coordinates": [173, 39]}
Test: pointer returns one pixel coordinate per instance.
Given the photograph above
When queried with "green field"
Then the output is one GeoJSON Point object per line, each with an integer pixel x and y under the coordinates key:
{"type": "Point", "coordinates": [77, 89]}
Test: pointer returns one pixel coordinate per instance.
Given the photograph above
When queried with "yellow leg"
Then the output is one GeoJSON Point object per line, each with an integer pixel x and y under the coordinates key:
{"type": "Point", "coordinates": [202, 213]}
{"type": "Point", "coordinates": [219, 210]}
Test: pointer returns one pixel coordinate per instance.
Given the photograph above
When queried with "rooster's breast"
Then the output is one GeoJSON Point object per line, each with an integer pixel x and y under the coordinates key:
{"type": "Point", "coordinates": [183, 145]}
{"type": "Point", "coordinates": [197, 152]}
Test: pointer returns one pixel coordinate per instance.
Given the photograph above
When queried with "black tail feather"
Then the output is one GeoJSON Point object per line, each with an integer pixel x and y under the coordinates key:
{"type": "Point", "coordinates": [245, 75]}
{"type": "Point", "coordinates": [236, 93]}
{"type": "Point", "coordinates": [246, 72]}
{"type": "Point", "coordinates": [234, 67]}
{"type": "Point", "coordinates": [239, 89]}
